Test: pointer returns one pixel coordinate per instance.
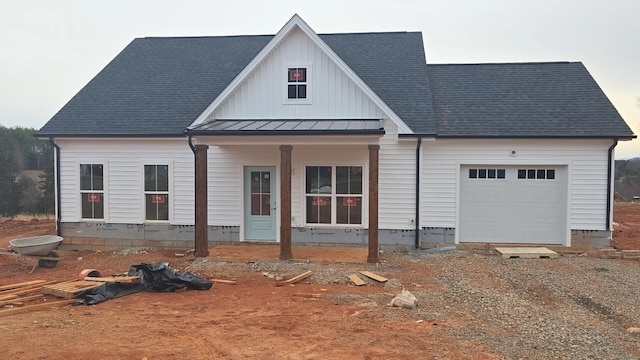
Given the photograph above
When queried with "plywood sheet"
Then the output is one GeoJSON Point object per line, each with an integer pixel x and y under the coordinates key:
{"type": "Point", "coordinates": [526, 252]}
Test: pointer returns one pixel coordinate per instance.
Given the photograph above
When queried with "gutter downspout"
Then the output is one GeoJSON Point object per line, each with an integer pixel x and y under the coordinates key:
{"type": "Point", "coordinates": [417, 219]}
{"type": "Point", "coordinates": [193, 148]}
{"type": "Point", "coordinates": [609, 183]}
{"type": "Point", "coordinates": [57, 170]}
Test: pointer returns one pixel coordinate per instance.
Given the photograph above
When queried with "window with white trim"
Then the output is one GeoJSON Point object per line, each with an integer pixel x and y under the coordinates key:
{"type": "Point", "coordinates": [156, 192]}
{"type": "Point", "coordinates": [92, 191]}
{"type": "Point", "coordinates": [333, 195]}
{"type": "Point", "coordinates": [297, 83]}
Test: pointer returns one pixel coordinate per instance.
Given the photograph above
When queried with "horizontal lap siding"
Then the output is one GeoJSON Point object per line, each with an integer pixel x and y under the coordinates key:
{"type": "Point", "coordinates": [124, 160]}
{"type": "Point", "coordinates": [225, 179]}
{"type": "Point", "coordinates": [586, 160]}
{"type": "Point", "coordinates": [397, 178]}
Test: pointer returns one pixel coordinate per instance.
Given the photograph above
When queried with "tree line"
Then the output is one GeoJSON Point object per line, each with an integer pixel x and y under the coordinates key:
{"type": "Point", "coordinates": [26, 173]}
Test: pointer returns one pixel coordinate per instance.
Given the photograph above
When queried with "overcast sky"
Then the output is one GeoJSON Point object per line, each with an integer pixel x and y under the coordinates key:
{"type": "Point", "coordinates": [50, 49]}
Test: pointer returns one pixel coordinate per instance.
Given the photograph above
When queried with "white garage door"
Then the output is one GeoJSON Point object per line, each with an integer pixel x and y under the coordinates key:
{"type": "Point", "coordinates": [513, 204]}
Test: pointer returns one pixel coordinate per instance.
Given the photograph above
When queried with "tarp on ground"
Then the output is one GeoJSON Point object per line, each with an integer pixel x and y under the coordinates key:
{"type": "Point", "coordinates": [158, 278]}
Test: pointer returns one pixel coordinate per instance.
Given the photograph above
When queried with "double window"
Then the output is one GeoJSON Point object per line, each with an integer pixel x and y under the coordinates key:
{"type": "Point", "coordinates": [333, 194]}
{"type": "Point", "coordinates": [156, 192]}
{"type": "Point", "coordinates": [92, 191]}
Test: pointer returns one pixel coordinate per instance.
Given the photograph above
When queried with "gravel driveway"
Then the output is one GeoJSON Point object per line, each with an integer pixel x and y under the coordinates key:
{"type": "Point", "coordinates": [573, 307]}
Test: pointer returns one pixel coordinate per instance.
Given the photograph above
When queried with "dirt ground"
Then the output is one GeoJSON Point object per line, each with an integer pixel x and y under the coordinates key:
{"type": "Point", "coordinates": [254, 318]}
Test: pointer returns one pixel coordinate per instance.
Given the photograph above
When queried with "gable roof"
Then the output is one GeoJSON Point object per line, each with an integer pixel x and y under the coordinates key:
{"type": "Point", "coordinates": [159, 86]}
{"type": "Point", "coordinates": [558, 99]}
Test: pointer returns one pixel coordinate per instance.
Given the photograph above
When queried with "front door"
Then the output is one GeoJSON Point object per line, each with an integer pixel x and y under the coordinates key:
{"type": "Point", "coordinates": [260, 203]}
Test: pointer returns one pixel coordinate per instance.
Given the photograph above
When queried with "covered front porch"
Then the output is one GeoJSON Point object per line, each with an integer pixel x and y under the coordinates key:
{"type": "Point", "coordinates": [269, 182]}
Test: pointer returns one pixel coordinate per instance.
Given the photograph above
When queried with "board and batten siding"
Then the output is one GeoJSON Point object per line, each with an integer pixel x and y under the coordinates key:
{"type": "Point", "coordinates": [396, 180]}
{"type": "Point", "coordinates": [586, 161]}
{"type": "Point", "coordinates": [123, 161]}
{"type": "Point", "coordinates": [331, 94]}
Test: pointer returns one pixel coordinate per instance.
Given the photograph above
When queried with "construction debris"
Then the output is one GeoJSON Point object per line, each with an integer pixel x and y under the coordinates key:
{"type": "Point", "coordinates": [405, 299]}
{"type": "Point", "coordinates": [295, 279]}
{"type": "Point", "coordinates": [221, 281]}
{"type": "Point", "coordinates": [356, 280]}
{"type": "Point", "coordinates": [373, 276]}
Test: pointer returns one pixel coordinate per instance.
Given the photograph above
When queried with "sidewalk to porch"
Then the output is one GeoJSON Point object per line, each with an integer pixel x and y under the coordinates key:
{"type": "Point", "coordinates": [250, 252]}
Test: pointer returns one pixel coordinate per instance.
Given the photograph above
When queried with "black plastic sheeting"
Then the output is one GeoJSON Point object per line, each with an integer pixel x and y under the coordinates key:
{"type": "Point", "coordinates": [156, 278]}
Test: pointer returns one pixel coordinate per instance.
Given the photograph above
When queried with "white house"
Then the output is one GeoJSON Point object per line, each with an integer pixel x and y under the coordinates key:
{"type": "Point", "coordinates": [305, 138]}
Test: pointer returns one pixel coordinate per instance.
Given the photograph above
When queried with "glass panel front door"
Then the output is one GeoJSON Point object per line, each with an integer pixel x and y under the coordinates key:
{"type": "Point", "coordinates": [260, 203]}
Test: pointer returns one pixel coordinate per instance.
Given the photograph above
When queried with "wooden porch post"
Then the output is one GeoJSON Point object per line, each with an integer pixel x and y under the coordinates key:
{"type": "Point", "coordinates": [373, 203]}
{"type": "Point", "coordinates": [285, 202]}
{"type": "Point", "coordinates": [201, 236]}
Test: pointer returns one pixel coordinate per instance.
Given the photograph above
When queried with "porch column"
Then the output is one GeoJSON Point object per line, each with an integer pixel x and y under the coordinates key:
{"type": "Point", "coordinates": [373, 203]}
{"type": "Point", "coordinates": [285, 202]}
{"type": "Point", "coordinates": [201, 240]}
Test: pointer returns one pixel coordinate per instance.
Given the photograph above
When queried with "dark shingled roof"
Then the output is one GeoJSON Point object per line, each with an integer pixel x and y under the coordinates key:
{"type": "Point", "coordinates": [159, 86]}
{"type": "Point", "coordinates": [522, 100]}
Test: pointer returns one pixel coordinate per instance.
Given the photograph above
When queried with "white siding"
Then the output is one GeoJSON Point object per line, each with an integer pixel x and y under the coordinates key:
{"type": "Point", "coordinates": [396, 178]}
{"type": "Point", "coordinates": [587, 178]}
{"type": "Point", "coordinates": [225, 178]}
{"type": "Point", "coordinates": [332, 94]}
{"type": "Point", "coordinates": [124, 160]}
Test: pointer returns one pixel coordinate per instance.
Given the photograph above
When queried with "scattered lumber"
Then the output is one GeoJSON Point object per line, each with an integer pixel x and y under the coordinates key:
{"type": "Point", "coordinates": [36, 306]}
{"type": "Point", "coordinates": [296, 279]}
{"type": "Point", "coordinates": [19, 285]}
{"type": "Point", "coordinates": [373, 276]}
{"type": "Point", "coordinates": [222, 281]}
{"type": "Point", "coordinates": [356, 280]}
{"type": "Point", "coordinates": [116, 279]}
{"type": "Point", "coordinates": [20, 299]}
{"type": "Point", "coordinates": [27, 289]}
{"type": "Point", "coordinates": [307, 295]}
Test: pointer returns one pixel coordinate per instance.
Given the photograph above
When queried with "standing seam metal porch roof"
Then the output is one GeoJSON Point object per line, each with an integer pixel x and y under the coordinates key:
{"type": "Point", "coordinates": [290, 127]}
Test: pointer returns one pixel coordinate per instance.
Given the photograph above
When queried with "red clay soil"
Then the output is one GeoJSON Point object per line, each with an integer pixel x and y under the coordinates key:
{"type": "Point", "coordinates": [251, 319]}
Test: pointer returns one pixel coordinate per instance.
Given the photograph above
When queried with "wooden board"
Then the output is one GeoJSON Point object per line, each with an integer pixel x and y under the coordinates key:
{"type": "Point", "coordinates": [526, 252]}
{"type": "Point", "coordinates": [68, 290]}
{"type": "Point", "coordinates": [296, 279]}
{"type": "Point", "coordinates": [35, 307]}
{"type": "Point", "coordinates": [21, 285]}
{"type": "Point", "coordinates": [356, 280]}
{"type": "Point", "coordinates": [116, 279]}
{"type": "Point", "coordinates": [373, 276]}
{"type": "Point", "coordinates": [222, 281]}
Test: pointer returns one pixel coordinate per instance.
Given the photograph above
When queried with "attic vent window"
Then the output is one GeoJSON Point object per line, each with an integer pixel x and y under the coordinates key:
{"type": "Point", "coordinates": [297, 83]}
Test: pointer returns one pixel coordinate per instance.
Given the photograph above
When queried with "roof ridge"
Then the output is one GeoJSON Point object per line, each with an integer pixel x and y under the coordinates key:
{"type": "Point", "coordinates": [267, 35]}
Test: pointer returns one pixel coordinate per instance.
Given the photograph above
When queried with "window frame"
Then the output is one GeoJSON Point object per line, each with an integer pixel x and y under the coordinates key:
{"type": "Point", "coordinates": [334, 195]}
{"type": "Point", "coordinates": [308, 82]}
{"type": "Point", "coordinates": [104, 192]}
{"type": "Point", "coordinates": [169, 193]}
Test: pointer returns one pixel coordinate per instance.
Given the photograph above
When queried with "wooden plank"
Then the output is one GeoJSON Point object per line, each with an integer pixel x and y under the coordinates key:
{"type": "Point", "coordinates": [373, 276]}
{"type": "Point", "coordinates": [526, 252]}
{"type": "Point", "coordinates": [116, 279]}
{"type": "Point", "coordinates": [36, 306]}
{"type": "Point", "coordinates": [222, 281]}
{"type": "Point", "coordinates": [70, 289]}
{"type": "Point", "coordinates": [27, 289]}
{"type": "Point", "coordinates": [296, 279]}
{"type": "Point", "coordinates": [356, 280]}
{"type": "Point", "coordinates": [307, 295]}
{"type": "Point", "coordinates": [8, 297]}
{"type": "Point", "coordinates": [21, 299]}
{"type": "Point", "coordinates": [22, 284]}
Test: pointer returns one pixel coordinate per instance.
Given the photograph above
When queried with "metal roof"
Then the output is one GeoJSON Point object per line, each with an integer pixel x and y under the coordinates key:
{"type": "Point", "coordinates": [289, 127]}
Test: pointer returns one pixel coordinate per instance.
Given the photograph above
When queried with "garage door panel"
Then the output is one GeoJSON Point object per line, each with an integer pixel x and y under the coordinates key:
{"type": "Point", "coordinates": [527, 205]}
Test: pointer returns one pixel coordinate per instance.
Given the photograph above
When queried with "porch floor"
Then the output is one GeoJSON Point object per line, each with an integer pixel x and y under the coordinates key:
{"type": "Point", "coordinates": [251, 252]}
